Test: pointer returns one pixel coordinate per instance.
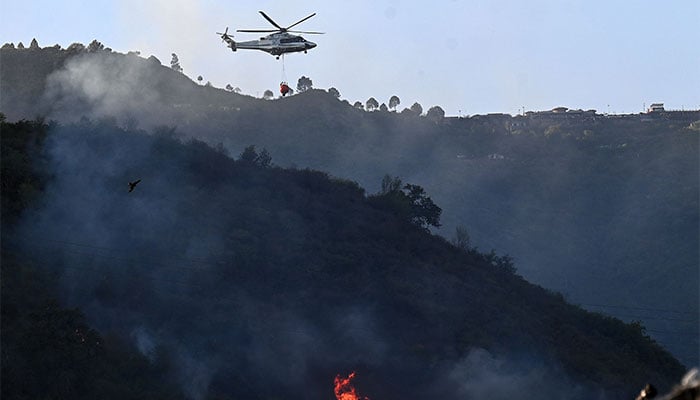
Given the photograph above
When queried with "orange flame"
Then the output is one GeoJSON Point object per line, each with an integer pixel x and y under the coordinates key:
{"type": "Point", "coordinates": [344, 390]}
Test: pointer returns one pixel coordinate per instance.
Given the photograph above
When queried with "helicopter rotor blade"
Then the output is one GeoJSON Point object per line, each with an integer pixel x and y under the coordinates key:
{"type": "Point", "coordinates": [271, 21]}
{"type": "Point", "coordinates": [313, 33]}
{"type": "Point", "coordinates": [257, 30]}
{"type": "Point", "coordinates": [298, 22]}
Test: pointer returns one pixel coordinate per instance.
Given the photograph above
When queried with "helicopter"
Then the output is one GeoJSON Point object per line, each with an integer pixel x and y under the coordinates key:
{"type": "Point", "coordinates": [279, 42]}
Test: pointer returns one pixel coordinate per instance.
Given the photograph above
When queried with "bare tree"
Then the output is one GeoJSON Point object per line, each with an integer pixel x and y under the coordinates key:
{"type": "Point", "coordinates": [461, 239]}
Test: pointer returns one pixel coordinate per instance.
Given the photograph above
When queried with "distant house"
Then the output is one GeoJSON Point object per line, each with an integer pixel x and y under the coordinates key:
{"type": "Point", "coordinates": [656, 107]}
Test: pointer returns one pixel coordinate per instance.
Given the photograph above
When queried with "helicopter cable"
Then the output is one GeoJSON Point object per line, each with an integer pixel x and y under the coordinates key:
{"type": "Point", "coordinates": [284, 72]}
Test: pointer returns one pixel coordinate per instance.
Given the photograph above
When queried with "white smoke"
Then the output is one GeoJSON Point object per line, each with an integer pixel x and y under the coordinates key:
{"type": "Point", "coordinates": [481, 375]}
{"type": "Point", "coordinates": [103, 85]}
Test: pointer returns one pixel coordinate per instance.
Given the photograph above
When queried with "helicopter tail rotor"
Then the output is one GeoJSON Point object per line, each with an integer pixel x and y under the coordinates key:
{"type": "Point", "coordinates": [224, 35]}
{"type": "Point", "coordinates": [227, 39]}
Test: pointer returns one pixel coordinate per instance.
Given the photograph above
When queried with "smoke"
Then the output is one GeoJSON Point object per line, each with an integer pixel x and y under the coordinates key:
{"type": "Point", "coordinates": [481, 375]}
{"type": "Point", "coordinates": [106, 85]}
{"type": "Point", "coordinates": [148, 265]}
{"type": "Point", "coordinates": [158, 244]}
{"type": "Point", "coordinates": [144, 342]}
{"type": "Point", "coordinates": [195, 374]}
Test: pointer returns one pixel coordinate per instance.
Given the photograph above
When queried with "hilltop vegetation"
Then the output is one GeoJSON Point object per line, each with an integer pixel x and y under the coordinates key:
{"type": "Point", "coordinates": [603, 209]}
{"type": "Point", "coordinates": [261, 282]}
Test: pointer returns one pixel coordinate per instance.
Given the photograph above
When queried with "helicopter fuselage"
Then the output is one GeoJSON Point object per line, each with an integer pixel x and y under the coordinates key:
{"type": "Point", "coordinates": [276, 44]}
{"type": "Point", "coordinates": [279, 42]}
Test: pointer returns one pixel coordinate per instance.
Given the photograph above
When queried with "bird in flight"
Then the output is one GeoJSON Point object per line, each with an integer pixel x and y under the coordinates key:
{"type": "Point", "coordinates": [132, 185]}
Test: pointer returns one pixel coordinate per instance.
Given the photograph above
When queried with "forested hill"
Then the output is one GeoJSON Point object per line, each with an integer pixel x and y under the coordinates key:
{"type": "Point", "coordinates": [239, 279]}
{"type": "Point", "coordinates": [603, 209]}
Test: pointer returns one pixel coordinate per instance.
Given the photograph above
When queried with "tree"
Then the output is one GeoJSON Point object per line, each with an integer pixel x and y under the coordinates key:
{"type": "Point", "coordinates": [394, 101]}
{"type": "Point", "coordinates": [304, 84]}
{"type": "Point", "coordinates": [424, 212]}
{"type": "Point", "coordinates": [417, 108]}
{"type": "Point", "coordinates": [461, 239]}
{"type": "Point", "coordinates": [504, 262]}
{"type": "Point", "coordinates": [200, 79]}
{"type": "Point", "coordinates": [371, 104]}
{"type": "Point", "coordinates": [267, 95]}
{"type": "Point", "coordinates": [95, 46]}
{"type": "Point", "coordinates": [251, 156]}
{"type": "Point", "coordinates": [175, 63]}
{"type": "Point", "coordinates": [229, 88]}
{"type": "Point", "coordinates": [75, 48]}
{"type": "Point", "coordinates": [383, 108]}
{"type": "Point", "coordinates": [334, 92]}
{"type": "Point", "coordinates": [20, 45]}
{"type": "Point", "coordinates": [390, 184]}
{"type": "Point", "coordinates": [208, 84]}
{"type": "Point", "coordinates": [435, 113]}
{"type": "Point", "coordinates": [264, 158]}
{"type": "Point", "coordinates": [358, 105]}
{"type": "Point", "coordinates": [409, 202]}
{"type": "Point", "coordinates": [237, 90]}
{"type": "Point", "coordinates": [34, 45]}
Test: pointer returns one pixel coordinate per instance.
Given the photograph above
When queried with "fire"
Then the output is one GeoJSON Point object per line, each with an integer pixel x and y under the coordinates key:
{"type": "Point", "coordinates": [344, 390]}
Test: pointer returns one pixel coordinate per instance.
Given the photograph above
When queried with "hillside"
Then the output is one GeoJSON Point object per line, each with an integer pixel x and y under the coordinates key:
{"type": "Point", "coordinates": [603, 209]}
{"type": "Point", "coordinates": [49, 349]}
{"type": "Point", "coordinates": [262, 282]}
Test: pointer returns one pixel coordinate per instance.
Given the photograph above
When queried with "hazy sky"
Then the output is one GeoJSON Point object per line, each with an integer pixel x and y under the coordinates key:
{"type": "Point", "coordinates": [472, 57]}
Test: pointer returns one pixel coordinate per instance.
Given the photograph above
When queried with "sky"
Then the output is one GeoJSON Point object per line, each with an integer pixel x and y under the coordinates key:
{"type": "Point", "coordinates": [469, 57]}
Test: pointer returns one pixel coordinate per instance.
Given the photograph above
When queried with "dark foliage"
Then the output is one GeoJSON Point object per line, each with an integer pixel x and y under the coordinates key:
{"type": "Point", "coordinates": [49, 351]}
{"type": "Point", "coordinates": [304, 84]}
{"type": "Point", "coordinates": [588, 205]}
{"type": "Point", "coordinates": [411, 203]}
{"type": "Point", "coordinates": [275, 280]}
{"type": "Point", "coordinates": [23, 170]}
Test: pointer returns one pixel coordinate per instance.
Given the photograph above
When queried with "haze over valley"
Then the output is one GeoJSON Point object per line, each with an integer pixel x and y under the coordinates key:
{"type": "Point", "coordinates": [274, 243]}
